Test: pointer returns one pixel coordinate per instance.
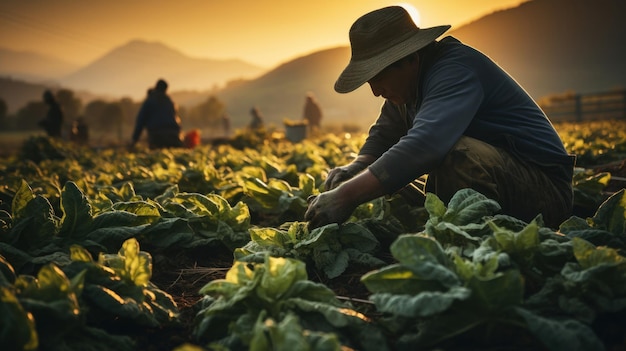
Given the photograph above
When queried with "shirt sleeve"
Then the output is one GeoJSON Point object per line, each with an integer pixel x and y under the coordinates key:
{"type": "Point", "coordinates": [451, 97]}
{"type": "Point", "coordinates": [390, 126]}
{"type": "Point", "coordinates": [140, 122]}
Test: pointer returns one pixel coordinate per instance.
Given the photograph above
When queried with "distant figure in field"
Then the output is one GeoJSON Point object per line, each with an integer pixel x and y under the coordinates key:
{"type": "Point", "coordinates": [53, 121]}
{"type": "Point", "coordinates": [226, 125]}
{"type": "Point", "coordinates": [159, 116]}
{"type": "Point", "coordinates": [312, 113]}
{"type": "Point", "coordinates": [257, 119]}
{"type": "Point", "coordinates": [80, 132]}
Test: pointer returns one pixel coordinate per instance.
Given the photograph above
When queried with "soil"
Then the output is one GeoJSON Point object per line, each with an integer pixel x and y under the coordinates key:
{"type": "Point", "coordinates": [182, 277]}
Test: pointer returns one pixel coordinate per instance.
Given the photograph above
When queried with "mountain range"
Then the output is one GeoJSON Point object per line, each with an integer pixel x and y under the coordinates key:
{"type": "Point", "coordinates": [549, 46]}
{"type": "Point", "coordinates": [132, 68]}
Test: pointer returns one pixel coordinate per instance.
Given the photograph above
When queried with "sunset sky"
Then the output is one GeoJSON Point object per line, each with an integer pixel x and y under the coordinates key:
{"type": "Point", "coordinates": [262, 32]}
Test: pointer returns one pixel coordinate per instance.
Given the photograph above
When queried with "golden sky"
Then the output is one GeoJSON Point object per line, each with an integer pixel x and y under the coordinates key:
{"type": "Point", "coordinates": [262, 32]}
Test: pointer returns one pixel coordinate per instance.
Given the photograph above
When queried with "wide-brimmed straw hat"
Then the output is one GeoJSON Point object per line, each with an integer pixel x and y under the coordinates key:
{"type": "Point", "coordinates": [380, 38]}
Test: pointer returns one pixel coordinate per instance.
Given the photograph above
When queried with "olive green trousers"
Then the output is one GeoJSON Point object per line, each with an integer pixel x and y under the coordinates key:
{"type": "Point", "coordinates": [522, 189]}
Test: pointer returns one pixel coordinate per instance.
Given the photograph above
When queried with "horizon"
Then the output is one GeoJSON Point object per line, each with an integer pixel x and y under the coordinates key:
{"type": "Point", "coordinates": [80, 33]}
{"type": "Point", "coordinates": [136, 72]}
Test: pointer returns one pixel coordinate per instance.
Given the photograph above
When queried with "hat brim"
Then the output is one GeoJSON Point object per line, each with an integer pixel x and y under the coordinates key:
{"type": "Point", "coordinates": [360, 71]}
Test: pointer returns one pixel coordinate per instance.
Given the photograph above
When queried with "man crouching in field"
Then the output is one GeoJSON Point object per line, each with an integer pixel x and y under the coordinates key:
{"type": "Point", "coordinates": [449, 112]}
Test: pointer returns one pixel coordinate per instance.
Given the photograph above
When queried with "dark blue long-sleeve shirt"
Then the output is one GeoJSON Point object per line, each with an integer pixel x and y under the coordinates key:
{"type": "Point", "coordinates": [158, 112]}
{"type": "Point", "coordinates": [461, 92]}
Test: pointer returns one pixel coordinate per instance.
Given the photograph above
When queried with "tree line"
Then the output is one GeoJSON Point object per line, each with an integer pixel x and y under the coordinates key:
{"type": "Point", "coordinates": [115, 117]}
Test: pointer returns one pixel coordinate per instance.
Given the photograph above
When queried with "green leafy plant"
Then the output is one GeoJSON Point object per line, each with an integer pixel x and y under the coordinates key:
{"type": "Point", "coordinates": [45, 312]}
{"type": "Point", "coordinates": [607, 227]}
{"type": "Point", "coordinates": [462, 222]}
{"type": "Point", "coordinates": [288, 335]}
{"type": "Point", "coordinates": [277, 199]}
{"type": "Point", "coordinates": [118, 287]}
{"type": "Point", "coordinates": [330, 248]}
{"type": "Point", "coordinates": [435, 299]}
{"type": "Point", "coordinates": [276, 289]}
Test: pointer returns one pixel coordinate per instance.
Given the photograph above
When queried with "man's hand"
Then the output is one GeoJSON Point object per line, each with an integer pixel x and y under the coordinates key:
{"type": "Point", "coordinates": [339, 175]}
{"type": "Point", "coordinates": [326, 208]}
{"type": "Point", "coordinates": [336, 205]}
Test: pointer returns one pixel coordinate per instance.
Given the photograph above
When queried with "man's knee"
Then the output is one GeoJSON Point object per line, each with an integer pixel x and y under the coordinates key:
{"type": "Point", "coordinates": [469, 164]}
{"type": "Point", "coordinates": [522, 189]}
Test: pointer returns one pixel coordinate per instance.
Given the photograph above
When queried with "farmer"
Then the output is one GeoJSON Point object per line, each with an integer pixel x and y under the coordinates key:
{"type": "Point", "coordinates": [449, 113]}
{"type": "Point", "coordinates": [53, 122]}
{"type": "Point", "coordinates": [158, 114]}
{"type": "Point", "coordinates": [312, 113]}
{"type": "Point", "coordinates": [257, 119]}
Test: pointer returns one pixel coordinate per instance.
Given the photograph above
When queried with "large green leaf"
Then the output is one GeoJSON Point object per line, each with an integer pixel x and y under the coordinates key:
{"type": "Point", "coordinates": [147, 209]}
{"type": "Point", "coordinates": [469, 206]}
{"type": "Point", "coordinates": [53, 300]}
{"type": "Point", "coordinates": [17, 326]}
{"type": "Point", "coordinates": [413, 250]}
{"type": "Point", "coordinates": [611, 215]}
{"type": "Point", "coordinates": [590, 256]}
{"type": "Point", "coordinates": [77, 218]}
{"type": "Point", "coordinates": [436, 208]}
{"type": "Point", "coordinates": [130, 263]}
{"type": "Point", "coordinates": [497, 293]}
{"type": "Point", "coordinates": [279, 274]}
{"type": "Point", "coordinates": [423, 304]}
{"type": "Point", "coordinates": [558, 334]}
{"type": "Point", "coordinates": [37, 229]}
{"type": "Point", "coordinates": [399, 279]}
{"type": "Point", "coordinates": [423, 267]}
{"type": "Point", "coordinates": [23, 196]}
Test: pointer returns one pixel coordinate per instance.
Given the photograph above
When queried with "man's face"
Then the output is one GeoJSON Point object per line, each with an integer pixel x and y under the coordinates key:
{"type": "Point", "coordinates": [396, 82]}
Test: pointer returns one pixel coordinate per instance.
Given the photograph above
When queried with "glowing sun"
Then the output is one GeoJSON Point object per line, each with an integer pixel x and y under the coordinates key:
{"type": "Point", "coordinates": [415, 15]}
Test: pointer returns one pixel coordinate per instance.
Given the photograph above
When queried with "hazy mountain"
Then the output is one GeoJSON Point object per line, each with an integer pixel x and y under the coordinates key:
{"type": "Point", "coordinates": [280, 93]}
{"type": "Point", "coordinates": [17, 93]}
{"type": "Point", "coordinates": [552, 46]}
{"type": "Point", "coordinates": [131, 69]}
{"type": "Point", "coordinates": [549, 46]}
{"type": "Point", "coordinates": [33, 67]}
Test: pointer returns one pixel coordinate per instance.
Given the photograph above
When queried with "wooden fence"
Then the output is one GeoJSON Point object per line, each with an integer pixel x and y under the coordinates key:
{"type": "Point", "coordinates": [585, 107]}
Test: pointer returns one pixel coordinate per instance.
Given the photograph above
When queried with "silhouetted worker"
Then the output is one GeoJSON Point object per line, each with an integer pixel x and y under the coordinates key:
{"type": "Point", "coordinates": [80, 131]}
{"type": "Point", "coordinates": [312, 113]}
{"type": "Point", "coordinates": [158, 115]}
{"type": "Point", "coordinates": [53, 121]}
{"type": "Point", "coordinates": [257, 119]}
{"type": "Point", "coordinates": [226, 125]}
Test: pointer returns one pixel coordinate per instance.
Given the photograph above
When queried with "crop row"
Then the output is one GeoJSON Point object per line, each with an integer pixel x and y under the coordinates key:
{"type": "Point", "coordinates": [79, 229]}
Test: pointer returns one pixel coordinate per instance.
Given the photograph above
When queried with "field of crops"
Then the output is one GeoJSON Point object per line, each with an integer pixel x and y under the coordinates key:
{"type": "Point", "coordinates": [206, 249]}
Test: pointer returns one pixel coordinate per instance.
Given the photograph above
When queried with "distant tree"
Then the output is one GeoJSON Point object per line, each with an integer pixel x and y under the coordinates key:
{"type": "Point", "coordinates": [94, 112]}
{"type": "Point", "coordinates": [70, 104]}
{"type": "Point", "coordinates": [130, 109]}
{"type": "Point", "coordinates": [207, 114]}
{"type": "Point", "coordinates": [108, 117]}
{"type": "Point", "coordinates": [29, 116]}
{"type": "Point", "coordinates": [114, 114]}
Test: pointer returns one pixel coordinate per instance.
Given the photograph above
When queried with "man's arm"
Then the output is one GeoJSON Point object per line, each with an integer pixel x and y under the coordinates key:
{"type": "Point", "coordinates": [336, 206]}
{"type": "Point", "coordinates": [339, 175]}
{"type": "Point", "coordinates": [390, 126]}
{"type": "Point", "coordinates": [140, 122]}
